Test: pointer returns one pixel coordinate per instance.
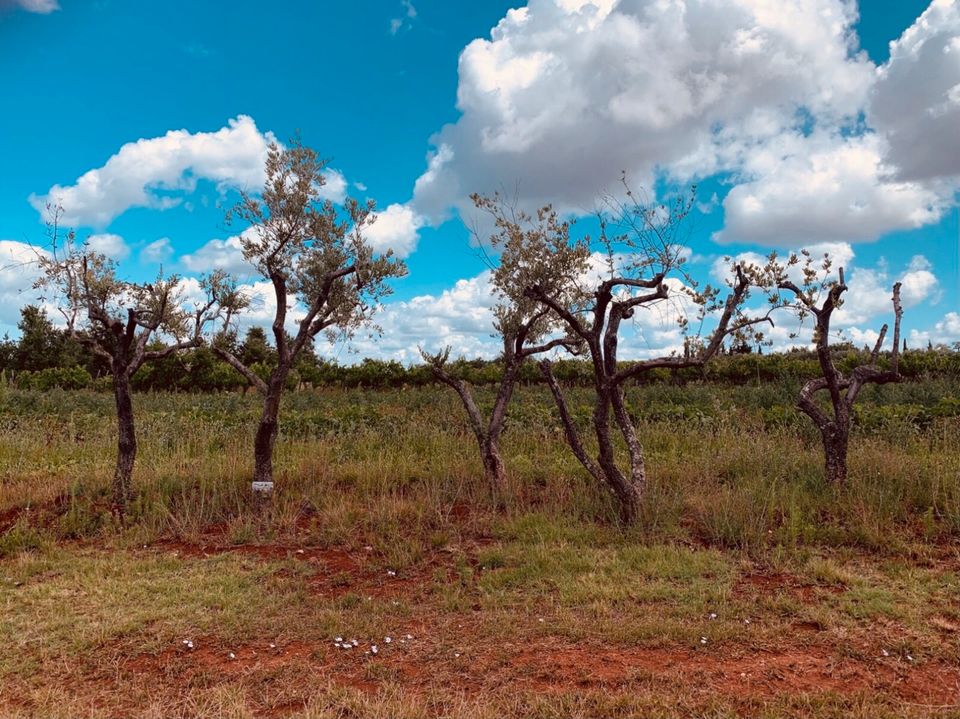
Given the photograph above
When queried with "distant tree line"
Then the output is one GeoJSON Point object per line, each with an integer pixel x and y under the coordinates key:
{"type": "Point", "coordinates": [45, 357]}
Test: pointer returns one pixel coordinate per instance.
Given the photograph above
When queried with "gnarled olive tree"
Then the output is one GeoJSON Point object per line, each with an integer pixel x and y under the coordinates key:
{"type": "Point", "coordinates": [125, 323]}
{"type": "Point", "coordinates": [525, 327]}
{"type": "Point", "coordinates": [313, 255]}
{"type": "Point", "coordinates": [816, 293]}
{"type": "Point", "coordinates": [637, 268]}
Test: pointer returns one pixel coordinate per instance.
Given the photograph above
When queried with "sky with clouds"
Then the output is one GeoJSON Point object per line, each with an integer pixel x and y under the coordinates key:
{"type": "Point", "coordinates": [804, 123]}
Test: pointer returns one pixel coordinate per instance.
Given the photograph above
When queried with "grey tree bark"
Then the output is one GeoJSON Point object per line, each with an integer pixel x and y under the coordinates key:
{"type": "Point", "coordinates": [122, 487]}
{"type": "Point", "coordinates": [488, 431]}
{"type": "Point", "coordinates": [843, 390]}
{"type": "Point", "coordinates": [599, 332]}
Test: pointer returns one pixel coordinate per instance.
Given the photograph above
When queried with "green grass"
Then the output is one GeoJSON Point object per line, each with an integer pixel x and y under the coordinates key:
{"type": "Point", "coordinates": [740, 542]}
{"type": "Point", "coordinates": [725, 474]}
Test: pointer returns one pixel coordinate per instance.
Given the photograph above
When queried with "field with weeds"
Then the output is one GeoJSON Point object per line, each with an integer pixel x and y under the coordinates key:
{"type": "Point", "coordinates": [750, 587]}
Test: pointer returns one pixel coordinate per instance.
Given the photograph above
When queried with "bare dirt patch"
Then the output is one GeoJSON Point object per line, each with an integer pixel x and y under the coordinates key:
{"type": "Point", "coordinates": [551, 666]}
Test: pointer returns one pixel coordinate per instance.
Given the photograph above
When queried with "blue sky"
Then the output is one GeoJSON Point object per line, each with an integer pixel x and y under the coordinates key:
{"type": "Point", "coordinates": [560, 98]}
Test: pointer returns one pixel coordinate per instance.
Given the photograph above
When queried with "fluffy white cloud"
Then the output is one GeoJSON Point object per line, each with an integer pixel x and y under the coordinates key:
{"type": "Point", "coordinates": [895, 176]}
{"type": "Point", "coordinates": [18, 271]}
{"type": "Point", "coordinates": [157, 251]}
{"type": "Point", "coordinates": [871, 290]}
{"type": "Point", "coordinates": [460, 317]}
{"type": "Point", "coordinates": [219, 255]}
{"type": "Point", "coordinates": [232, 156]}
{"type": "Point", "coordinates": [334, 187]}
{"type": "Point", "coordinates": [916, 100]}
{"type": "Point", "coordinates": [945, 331]}
{"type": "Point", "coordinates": [565, 95]}
{"type": "Point", "coordinates": [395, 228]}
{"type": "Point", "coordinates": [822, 186]}
{"type": "Point", "coordinates": [113, 246]}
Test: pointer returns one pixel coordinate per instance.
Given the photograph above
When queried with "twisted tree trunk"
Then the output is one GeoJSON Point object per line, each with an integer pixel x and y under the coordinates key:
{"type": "Point", "coordinates": [628, 492]}
{"type": "Point", "coordinates": [268, 428]}
{"type": "Point", "coordinates": [843, 390]}
{"type": "Point", "coordinates": [122, 488]}
{"type": "Point", "coordinates": [835, 443]}
{"type": "Point", "coordinates": [487, 433]}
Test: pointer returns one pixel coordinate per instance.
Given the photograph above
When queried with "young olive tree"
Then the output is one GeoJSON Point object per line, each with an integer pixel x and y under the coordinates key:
{"type": "Point", "coordinates": [125, 323]}
{"type": "Point", "coordinates": [641, 269]}
{"type": "Point", "coordinates": [314, 255]}
{"type": "Point", "coordinates": [525, 327]}
{"type": "Point", "coordinates": [816, 294]}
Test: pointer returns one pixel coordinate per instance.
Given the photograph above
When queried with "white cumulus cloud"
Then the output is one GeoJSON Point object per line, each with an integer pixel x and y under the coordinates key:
{"type": "Point", "coordinates": [564, 95]}
{"type": "Point", "coordinates": [135, 176]}
{"type": "Point", "coordinates": [822, 186]}
{"type": "Point", "coordinates": [113, 246]}
{"type": "Point", "coordinates": [395, 228]}
{"type": "Point", "coordinates": [18, 271]}
{"type": "Point", "coordinates": [916, 100]}
{"type": "Point", "coordinates": [219, 254]}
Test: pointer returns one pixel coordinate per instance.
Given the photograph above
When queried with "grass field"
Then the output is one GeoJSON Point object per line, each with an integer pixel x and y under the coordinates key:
{"type": "Point", "coordinates": [749, 588]}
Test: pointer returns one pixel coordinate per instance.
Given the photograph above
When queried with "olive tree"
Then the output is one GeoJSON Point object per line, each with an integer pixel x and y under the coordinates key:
{"type": "Point", "coordinates": [317, 261]}
{"type": "Point", "coordinates": [638, 268]}
{"type": "Point", "coordinates": [524, 326]}
{"type": "Point", "coordinates": [816, 293]}
{"type": "Point", "coordinates": [125, 323]}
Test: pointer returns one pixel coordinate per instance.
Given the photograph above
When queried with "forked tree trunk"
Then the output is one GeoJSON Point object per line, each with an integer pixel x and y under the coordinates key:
{"type": "Point", "coordinates": [627, 492]}
{"type": "Point", "coordinates": [122, 489]}
{"type": "Point", "coordinates": [487, 433]}
{"type": "Point", "coordinates": [604, 469]}
{"type": "Point", "coordinates": [494, 469]}
{"type": "Point", "coordinates": [268, 429]}
{"type": "Point", "coordinates": [638, 466]}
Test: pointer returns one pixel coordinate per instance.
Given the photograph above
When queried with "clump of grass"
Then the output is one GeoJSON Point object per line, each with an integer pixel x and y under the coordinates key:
{"type": "Point", "coordinates": [22, 537]}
